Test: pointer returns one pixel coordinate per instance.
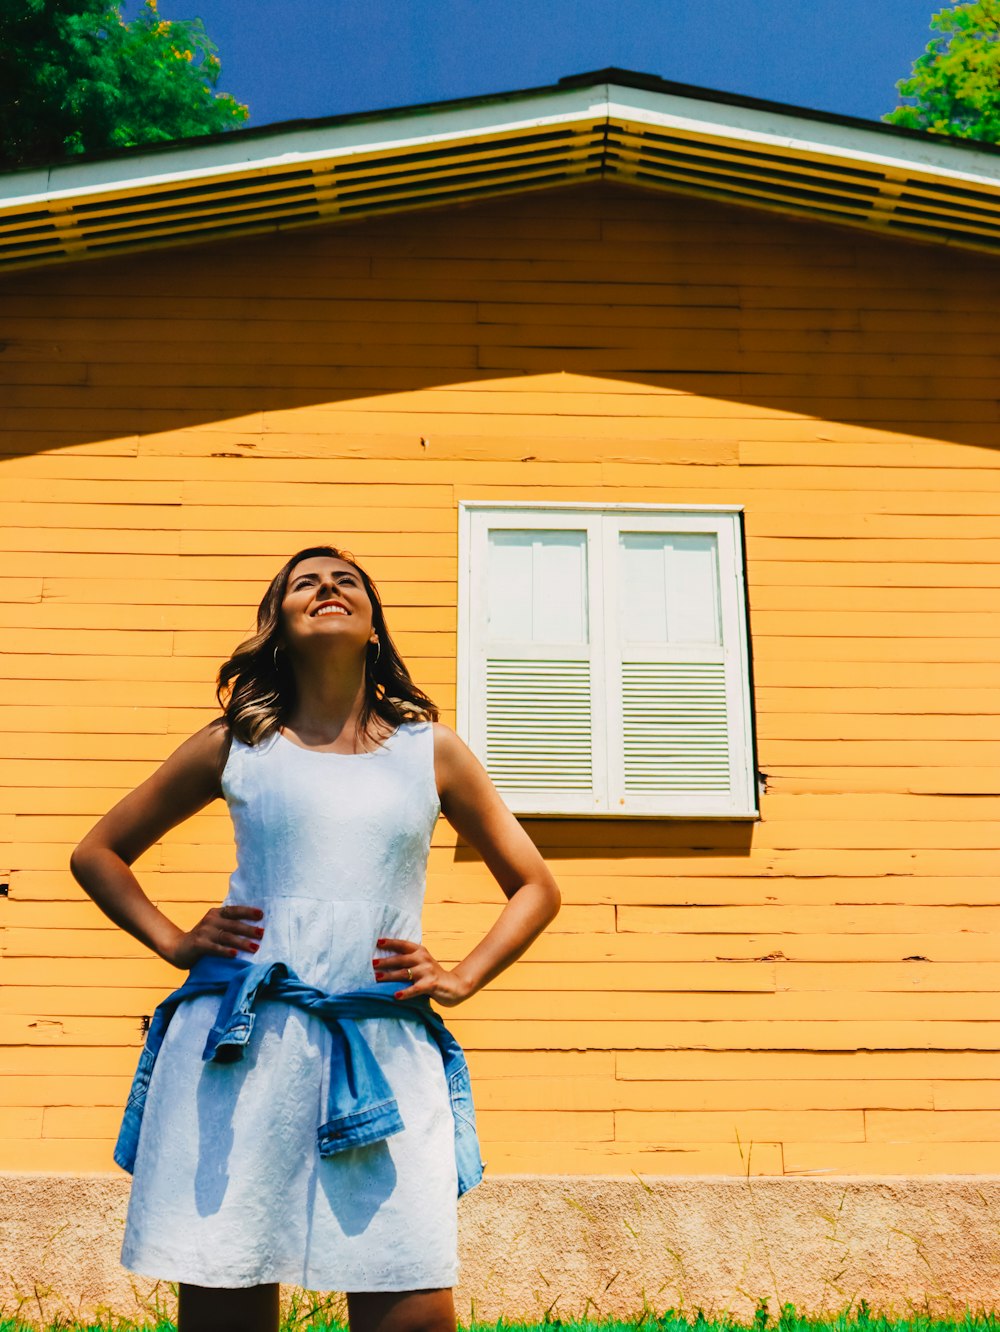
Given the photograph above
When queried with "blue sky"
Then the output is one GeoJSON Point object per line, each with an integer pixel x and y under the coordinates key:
{"type": "Point", "coordinates": [292, 58]}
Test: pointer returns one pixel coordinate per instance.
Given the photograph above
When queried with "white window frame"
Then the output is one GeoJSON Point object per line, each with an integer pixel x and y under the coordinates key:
{"type": "Point", "coordinates": [609, 799]}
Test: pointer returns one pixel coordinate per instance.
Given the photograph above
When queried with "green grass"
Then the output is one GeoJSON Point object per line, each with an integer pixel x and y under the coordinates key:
{"type": "Point", "coordinates": [302, 1317]}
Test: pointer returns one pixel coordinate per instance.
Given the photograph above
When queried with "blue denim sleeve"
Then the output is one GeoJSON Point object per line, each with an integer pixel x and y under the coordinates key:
{"type": "Point", "coordinates": [128, 1133]}
{"type": "Point", "coordinates": [467, 1158]}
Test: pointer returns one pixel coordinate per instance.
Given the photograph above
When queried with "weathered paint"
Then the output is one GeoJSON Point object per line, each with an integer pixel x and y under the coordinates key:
{"type": "Point", "coordinates": [811, 994]}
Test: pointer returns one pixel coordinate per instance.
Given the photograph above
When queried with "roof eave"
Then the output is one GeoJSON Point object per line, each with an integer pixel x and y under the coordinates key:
{"type": "Point", "coordinates": [738, 149]}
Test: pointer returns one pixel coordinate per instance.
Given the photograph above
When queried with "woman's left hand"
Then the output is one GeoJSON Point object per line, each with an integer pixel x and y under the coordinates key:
{"type": "Point", "coordinates": [411, 962]}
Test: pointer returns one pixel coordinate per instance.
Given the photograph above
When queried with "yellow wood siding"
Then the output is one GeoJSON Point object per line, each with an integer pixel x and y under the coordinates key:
{"type": "Point", "coordinates": [812, 994]}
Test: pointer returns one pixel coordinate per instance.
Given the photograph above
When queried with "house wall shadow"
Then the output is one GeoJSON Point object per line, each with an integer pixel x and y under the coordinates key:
{"type": "Point", "coordinates": [624, 839]}
{"type": "Point", "coordinates": [778, 317]}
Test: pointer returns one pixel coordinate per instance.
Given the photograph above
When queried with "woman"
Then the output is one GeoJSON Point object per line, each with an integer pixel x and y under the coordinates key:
{"type": "Point", "coordinates": [334, 769]}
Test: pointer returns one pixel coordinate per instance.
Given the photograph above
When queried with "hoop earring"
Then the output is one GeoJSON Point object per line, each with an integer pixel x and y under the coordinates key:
{"type": "Point", "coordinates": [275, 654]}
{"type": "Point", "coordinates": [378, 652]}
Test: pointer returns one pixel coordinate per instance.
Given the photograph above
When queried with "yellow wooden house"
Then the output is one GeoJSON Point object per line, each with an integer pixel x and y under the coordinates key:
{"type": "Point", "coordinates": [666, 421]}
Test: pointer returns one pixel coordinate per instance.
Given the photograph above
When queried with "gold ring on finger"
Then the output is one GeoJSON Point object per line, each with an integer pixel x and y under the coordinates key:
{"type": "Point", "coordinates": [409, 974]}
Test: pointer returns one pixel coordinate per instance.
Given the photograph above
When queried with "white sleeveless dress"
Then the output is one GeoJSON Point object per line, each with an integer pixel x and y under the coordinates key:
{"type": "Point", "coordinates": [229, 1188]}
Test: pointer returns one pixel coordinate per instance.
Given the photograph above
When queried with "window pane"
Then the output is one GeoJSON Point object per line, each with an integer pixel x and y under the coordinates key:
{"type": "Point", "coordinates": [537, 586]}
{"type": "Point", "coordinates": [669, 588]}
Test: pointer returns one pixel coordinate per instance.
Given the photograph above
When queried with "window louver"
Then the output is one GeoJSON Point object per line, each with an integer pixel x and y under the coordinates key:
{"type": "Point", "coordinates": [538, 725]}
{"type": "Point", "coordinates": [676, 727]}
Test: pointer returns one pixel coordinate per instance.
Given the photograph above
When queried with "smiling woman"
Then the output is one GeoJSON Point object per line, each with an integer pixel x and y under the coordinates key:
{"type": "Point", "coordinates": [263, 673]}
{"type": "Point", "coordinates": [235, 1186]}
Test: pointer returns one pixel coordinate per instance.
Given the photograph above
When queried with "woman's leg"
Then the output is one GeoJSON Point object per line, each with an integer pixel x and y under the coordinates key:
{"type": "Point", "coordinates": [210, 1309]}
{"type": "Point", "coordinates": [401, 1311]}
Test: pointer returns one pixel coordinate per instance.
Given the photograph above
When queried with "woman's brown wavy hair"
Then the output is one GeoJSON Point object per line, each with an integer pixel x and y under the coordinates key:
{"type": "Point", "coordinates": [257, 694]}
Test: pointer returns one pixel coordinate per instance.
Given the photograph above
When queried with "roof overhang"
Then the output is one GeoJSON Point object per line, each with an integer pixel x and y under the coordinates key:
{"type": "Point", "coordinates": [615, 126]}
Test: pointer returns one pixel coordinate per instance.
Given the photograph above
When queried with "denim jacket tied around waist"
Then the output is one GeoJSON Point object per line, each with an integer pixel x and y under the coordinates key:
{"type": "Point", "coordinates": [361, 1108]}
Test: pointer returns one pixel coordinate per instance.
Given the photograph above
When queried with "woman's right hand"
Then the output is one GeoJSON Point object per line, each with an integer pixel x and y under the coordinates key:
{"type": "Point", "coordinates": [221, 932]}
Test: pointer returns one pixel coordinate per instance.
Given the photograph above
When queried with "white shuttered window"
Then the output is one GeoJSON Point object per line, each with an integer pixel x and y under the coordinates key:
{"type": "Point", "coordinates": [603, 658]}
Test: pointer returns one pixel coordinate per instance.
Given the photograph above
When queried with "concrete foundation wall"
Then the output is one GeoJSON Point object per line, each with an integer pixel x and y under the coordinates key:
{"type": "Point", "coordinates": [571, 1243]}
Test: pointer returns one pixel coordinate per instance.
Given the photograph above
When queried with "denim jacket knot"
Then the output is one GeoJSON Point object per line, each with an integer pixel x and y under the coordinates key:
{"type": "Point", "coordinates": [361, 1108]}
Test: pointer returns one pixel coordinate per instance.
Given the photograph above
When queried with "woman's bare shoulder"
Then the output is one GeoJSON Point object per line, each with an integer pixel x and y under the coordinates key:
{"type": "Point", "coordinates": [447, 744]}
{"type": "Point", "coordinates": [454, 761]}
{"type": "Point", "coordinates": [205, 752]}
{"type": "Point", "coordinates": [212, 735]}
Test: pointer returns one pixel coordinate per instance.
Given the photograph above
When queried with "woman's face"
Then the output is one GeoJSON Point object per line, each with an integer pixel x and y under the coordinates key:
{"type": "Point", "coordinates": [324, 599]}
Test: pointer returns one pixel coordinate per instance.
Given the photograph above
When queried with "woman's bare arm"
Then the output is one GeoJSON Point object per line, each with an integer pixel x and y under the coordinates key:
{"type": "Point", "coordinates": [187, 782]}
{"type": "Point", "coordinates": [473, 806]}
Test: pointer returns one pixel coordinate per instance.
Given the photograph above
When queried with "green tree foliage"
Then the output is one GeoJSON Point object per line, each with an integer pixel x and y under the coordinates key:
{"type": "Point", "coordinates": [76, 78]}
{"type": "Point", "coordinates": [956, 82]}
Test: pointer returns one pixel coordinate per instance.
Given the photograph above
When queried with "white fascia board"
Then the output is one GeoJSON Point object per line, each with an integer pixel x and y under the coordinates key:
{"type": "Point", "coordinates": [307, 147]}
{"type": "Point", "coordinates": [806, 137]}
{"type": "Point", "coordinates": [596, 506]}
{"type": "Point", "coordinates": [300, 147]}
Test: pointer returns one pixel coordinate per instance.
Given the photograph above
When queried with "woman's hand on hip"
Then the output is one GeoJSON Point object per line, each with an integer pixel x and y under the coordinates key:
{"type": "Point", "coordinates": [222, 932]}
{"type": "Point", "coordinates": [413, 964]}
